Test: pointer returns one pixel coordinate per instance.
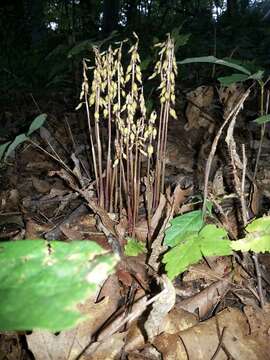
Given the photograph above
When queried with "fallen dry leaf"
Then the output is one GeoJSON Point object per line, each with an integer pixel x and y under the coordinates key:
{"type": "Point", "coordinates": [178, 320]}
{"type": "Point", "coordinates": [35, 230]}
{"type": "Point", "coordinates": [110, 349]}
{"type": "Point", "coordinates": [65, 346]}
{"type": "Point", "coordinates": [196, 112]}
{"type": "Point", "coordinates": [259, 320]}
{"type": "Point", "coordinates": [41, 186]}
{"type": "Point", "coordinates": [206, 300]}
{"type": "Point", "coordinates": [219, 267]}
{"type": "Point", "coordinates": [227, 333]}
{"type": "Point", "coordinates": [70, 233]}
{"type": "Point", "coordinates": [135, 338]}
{"type": "Point", "coordinates": [69, 344]}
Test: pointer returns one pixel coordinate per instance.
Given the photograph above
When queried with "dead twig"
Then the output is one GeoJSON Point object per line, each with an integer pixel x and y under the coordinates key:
{"type": "Point", "coordinates": [234, 112]}
{"type": "Point", "coordinates": [242, 193]}
{"type": "Point", "coordinates": [259, 279]}
{"type": "Point", "coordinates": [262, 130]}
{"type": "Point", "coordinates": [220, 344]}
{"type": "Point", "coordinates": [236, 164]}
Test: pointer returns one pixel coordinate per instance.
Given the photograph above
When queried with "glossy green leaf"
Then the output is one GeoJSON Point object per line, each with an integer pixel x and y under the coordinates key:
{"type": "Point", "coordinates": [37, 123]}
{"type": "Point", "coordinates": [42, 283]}
{"type": "Point", "coordinates": [262, 119]}
{"type": "Point", "coordinates": [134, 247]}
{"type": "Point", "coordinates": [183, 225]}
{"type": "Point", "coordinates": [214, 60]}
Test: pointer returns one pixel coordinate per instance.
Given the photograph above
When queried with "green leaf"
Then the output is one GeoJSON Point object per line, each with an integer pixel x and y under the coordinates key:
{"type": "Point", "coordinates": [257, 76]}
{"type": "Point", "coordinates": [134, 247]}
{"type": "Point", "coordinates": [3, 148]}
{"type": "Point", "coordinates": [42, 283]}
{"type": "Point", "coordinates": [181, 256]}
{"type": "Point", "coordinates": [247, 64]}
{"type": "Point", "coordinates": [17, 141]}
{"type": "Point", "coordinates": [259, 244]}
{"type": "Point", "coordinates": [213, 241]}
{"type": "Point", "coordinates": [228, 80]}
{"type": "Point", "coordinates": [210, 241]}
{"type": "Point", "coordinates": [261, 225]}
{"type": "Point", "coordinates": [183, 225]}
{"type": "Point", "coordinates": [37, 123]}
{"type": "Point", "coordinates": [214, 60]}
{"type": "Point", "coordinates": [262, 119]}
{"type": "Point", "coordinates": [257, 238]}
{"type": "Point", "coordinates": [11, 146]}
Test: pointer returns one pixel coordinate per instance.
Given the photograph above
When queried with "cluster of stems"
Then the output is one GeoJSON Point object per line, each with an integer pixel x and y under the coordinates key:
{"type": "Point", "coordinates": [115, 103]}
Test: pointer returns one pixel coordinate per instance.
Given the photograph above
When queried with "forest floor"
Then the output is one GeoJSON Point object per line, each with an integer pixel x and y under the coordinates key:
{"type": "Point", "coordinates": [213, 310]}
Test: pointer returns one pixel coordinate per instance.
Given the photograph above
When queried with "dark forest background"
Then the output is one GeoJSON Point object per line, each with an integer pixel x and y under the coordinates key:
{"type": "Point", "coordinates": [43, 42]}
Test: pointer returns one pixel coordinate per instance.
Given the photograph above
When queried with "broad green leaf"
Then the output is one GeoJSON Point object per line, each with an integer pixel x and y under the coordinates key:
{"type": "Point", "coordinates": [181, 256]}
{"type": "Point", "coordinates": [210, 241]}
{"type": "Point", "coordinates": [183, 225]}
{"type": "Point", "coordinates": [17, 141]}
{"type": "Point", "coordinates": [257, 238]}
{"type": "Point", "coordinates": [134, 247]}
{"type": "Point", "coordinates": [42, 283]}
{"type": "Point", "coordinates": [214, 60]}
{"type": "Point", "coordinates": [262, 119]}
{"type": "Point", "coordinates": [213, 241]}
{"type": "Point", "coordinates": [37, 123]}
{"type": "Point", "coordinates": [228, 80]}
{"type": "Point", "coordinates": [3, 148]}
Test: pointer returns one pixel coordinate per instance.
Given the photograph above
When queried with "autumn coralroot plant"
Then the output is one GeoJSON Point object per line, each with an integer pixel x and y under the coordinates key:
{"type": "Point", "coordinates": [127, 144]}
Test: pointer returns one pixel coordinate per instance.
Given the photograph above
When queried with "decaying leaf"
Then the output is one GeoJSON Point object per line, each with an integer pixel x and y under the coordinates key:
{"type": "Point", "coordinates": [155, 321]}
{"type": "Point", "coordinates": [227, 333]}
{"type": "Point", "coordinates": [204, 302]}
